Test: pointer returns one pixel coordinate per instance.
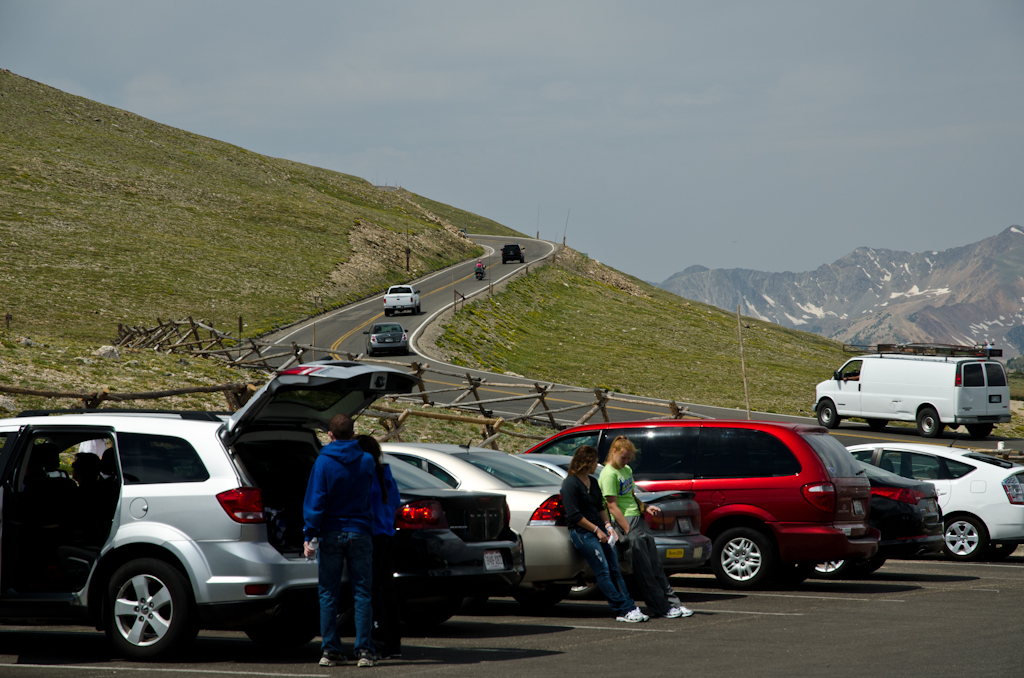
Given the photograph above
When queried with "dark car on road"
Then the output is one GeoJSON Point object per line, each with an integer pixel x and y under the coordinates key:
{"type": "Point", "coordinates": [512, 252]}
{"type": "Point", "coordinates": [906, 512]}
{"type": "Point", "coordinates": [386, 337]}
{"type": "Point", "coordinates": [774, 498]}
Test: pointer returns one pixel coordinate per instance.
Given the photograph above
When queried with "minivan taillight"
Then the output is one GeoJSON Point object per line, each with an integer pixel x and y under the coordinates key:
{"type": "Point", "coordinates": [508, 516]}
{"type": "Point", "coordinates": [244, 505]}
{"type": "Point", "coordinates": [1014, 490]}
{"type": "Point", "coordinates": [821, 496]}
{"type": "Point", "coordinates": [421, 515]}
{"type": "Point", "coordinates": [900, 494]}
{"type": "Point", "coordinates": [549, 513]}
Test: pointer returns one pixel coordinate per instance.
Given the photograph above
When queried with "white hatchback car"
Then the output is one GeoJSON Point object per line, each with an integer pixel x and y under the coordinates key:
{"type": "Point", "coordinates": [981, 496]}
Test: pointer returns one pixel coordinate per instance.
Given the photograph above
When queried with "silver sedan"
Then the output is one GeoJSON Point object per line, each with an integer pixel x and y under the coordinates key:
{"type": "Point", "coordinates": [386, 337]}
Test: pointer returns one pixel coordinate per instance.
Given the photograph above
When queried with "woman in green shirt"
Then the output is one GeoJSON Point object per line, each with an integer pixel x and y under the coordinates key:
{"type": "Point", "coordinates": [627, 513]}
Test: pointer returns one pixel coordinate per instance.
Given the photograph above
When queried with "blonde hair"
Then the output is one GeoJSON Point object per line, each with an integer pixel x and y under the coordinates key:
{"type": "Point", "coordinates": [620, 443]}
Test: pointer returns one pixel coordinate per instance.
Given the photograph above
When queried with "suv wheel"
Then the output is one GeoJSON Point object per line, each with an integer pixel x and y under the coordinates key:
{"type": "Point", "coordinates": [965, 538]}
{"type": "Point", "coordinates": [150, 612]}
{"type": "Point", "coordinates": [928, 424]}
{"type": "Point", "coordinates": [827, 416]}
{"type": "Point", "coordinates": [742, 558]}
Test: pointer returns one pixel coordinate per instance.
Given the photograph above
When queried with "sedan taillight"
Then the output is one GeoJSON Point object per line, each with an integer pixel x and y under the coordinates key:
{"type": "Point", "coordinates": [900, 494]}
{"type": "Point", "coordinates": [1014, 490]}
{"type": "Point", "coordinates": [549, 513]}
{"type": "Point", "coordinates": [244, 505]}
{"type": "Point", "coordinates": [421, 515]}
{"type": "Point", "coordinates": [821, 496]}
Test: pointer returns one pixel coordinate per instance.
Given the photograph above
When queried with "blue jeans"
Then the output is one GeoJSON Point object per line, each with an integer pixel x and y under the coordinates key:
{"type": "Point", "coordinates": [337, 549]}
{"type": "Point", "coordinates": [605, 564]}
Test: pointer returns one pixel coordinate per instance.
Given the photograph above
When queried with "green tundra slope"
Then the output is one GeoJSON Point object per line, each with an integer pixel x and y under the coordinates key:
{"type": "Point", "coordinates": [108, 217]}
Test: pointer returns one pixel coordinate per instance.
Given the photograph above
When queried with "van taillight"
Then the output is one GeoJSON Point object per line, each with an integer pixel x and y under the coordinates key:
{"type": "Point", "coordinates": [959, 379]}
{"type": "Point", "coordinates": [244, 505]}
{"type": "Point", "coordinates": [421, 515]}
{"type": "Point", "coordinates": [901, 494]}
{"type": "Point", "coordinates": [821, 496]}
{"type": "Point", "coordinates": [549, 513]}
{"type": "Point", "coordinates": [1014, 490]}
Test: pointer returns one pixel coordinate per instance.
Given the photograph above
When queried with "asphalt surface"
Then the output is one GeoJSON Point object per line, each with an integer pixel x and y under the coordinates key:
{"type": "Point", "coordinates": [342, 331]}
{"type": "Point", "coordinates": [926, 617]}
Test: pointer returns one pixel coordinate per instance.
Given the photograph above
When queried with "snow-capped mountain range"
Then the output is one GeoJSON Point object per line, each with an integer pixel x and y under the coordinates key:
{"type": "Point", "coordinates": [964, 295]}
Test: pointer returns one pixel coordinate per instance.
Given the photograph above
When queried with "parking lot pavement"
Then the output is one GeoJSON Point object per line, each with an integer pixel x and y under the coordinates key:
{"type": "Point", "coordinates": [912, 617]}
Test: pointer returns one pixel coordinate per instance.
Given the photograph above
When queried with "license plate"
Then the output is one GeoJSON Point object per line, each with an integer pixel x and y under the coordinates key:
{"type": "Point", "coordinates": [684, 525]}
{"type": "Point", "coordinates": [493, 560]}
{"type": "Point", "coordinates": [858, 508]}
{"type": "Point", "coordinates": [675, 553]}
{"type": "Point", "coordinates": [386, 340]}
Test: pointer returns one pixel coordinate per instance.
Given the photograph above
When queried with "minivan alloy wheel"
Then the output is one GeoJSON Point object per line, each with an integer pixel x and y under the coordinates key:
{"type": "Point", "coordinates": [831, 567]}
{"type": "Point", "coordinates": [741, 559]}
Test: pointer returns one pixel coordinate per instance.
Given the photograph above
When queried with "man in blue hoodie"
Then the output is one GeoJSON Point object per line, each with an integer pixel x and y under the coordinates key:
{"type": "Point", "coordinates": [338, 513]}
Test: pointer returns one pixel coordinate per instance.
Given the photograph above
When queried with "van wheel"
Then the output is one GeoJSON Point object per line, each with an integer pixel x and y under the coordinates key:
{"type": "Point", "coordinates": [150, 613]}
{"type": "Point", "coordinates": [833, 569]}
{"type": "Point", "coordinates": [928, 424]}
{"type": "Point", "coordinates": [827, 416]}
{"type": "Point", "coordinates": [965, 538]}
{"type": "Point", "coordinates": [979, 430]}
{"type": "Point", "coordinates": [742, 558]}
{"type": "Point", "coordinates": [877, 424]}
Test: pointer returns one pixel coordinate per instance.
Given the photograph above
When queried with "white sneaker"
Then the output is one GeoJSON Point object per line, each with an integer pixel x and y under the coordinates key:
{"type": "Point", "coordinates": [633, 616]}
{"type": "Point", "coordinates": [680, 611]}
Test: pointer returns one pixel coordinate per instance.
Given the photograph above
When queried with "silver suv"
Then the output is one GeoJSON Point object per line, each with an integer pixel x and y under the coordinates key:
{"type": "Point", "coordinates": [178, 521]}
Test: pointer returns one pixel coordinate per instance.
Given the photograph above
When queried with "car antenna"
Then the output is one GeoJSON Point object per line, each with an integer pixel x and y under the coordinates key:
{"type": "Point", "coordinates": [467, 444]}
{"type": "Point", "coordinates": [958, 434]}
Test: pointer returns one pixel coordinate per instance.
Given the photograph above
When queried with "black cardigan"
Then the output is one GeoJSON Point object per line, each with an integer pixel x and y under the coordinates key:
{"type": "Point", "coordinates": [579, 502]}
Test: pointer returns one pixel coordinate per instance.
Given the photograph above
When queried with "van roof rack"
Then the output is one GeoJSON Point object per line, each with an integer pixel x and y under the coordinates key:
{"type": "Point", "coordinates": [192, 415]}
{"type": "Point", "coordinates": [976, 351]}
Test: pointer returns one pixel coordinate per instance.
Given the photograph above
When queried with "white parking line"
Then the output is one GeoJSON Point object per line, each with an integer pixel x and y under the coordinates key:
{"type": "Point", "coordinates": [789, 595]}
{"type": "Point", "coordinates": [769, 614]}
{"type": "Point", "coordinates": [139, 669]}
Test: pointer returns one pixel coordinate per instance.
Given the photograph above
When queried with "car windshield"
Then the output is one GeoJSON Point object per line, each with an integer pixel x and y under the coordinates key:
{"type": "Point", "coordinates": [409, 477]}
{"type": "Point", "coordinates": [378, 329]}
{"type": "Point", "coordinates": [836, 458]}
{"type": "Point", "coordinates": [509, 470]}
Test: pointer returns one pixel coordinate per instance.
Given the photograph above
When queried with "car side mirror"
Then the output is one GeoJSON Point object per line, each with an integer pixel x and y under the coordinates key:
{"type": "Point", "coordinates": [837, 376]}
{"type": "Point", "coordinates": [366, 332]}
{"type": "Point", "coordinates": [416, 291]}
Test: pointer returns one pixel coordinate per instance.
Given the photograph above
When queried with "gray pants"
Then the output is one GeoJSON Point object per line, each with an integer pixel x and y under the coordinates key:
{"type": "Point", "coordinates": [647, 570]}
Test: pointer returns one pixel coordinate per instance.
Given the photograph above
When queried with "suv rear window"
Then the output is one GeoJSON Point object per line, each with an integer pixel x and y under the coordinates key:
{"type": "Point", "coordinates": [836, 458]}
{"type": "Point", "coordinates": [151, 459]}
{"type": "Point", "coordinates": [744, 453]}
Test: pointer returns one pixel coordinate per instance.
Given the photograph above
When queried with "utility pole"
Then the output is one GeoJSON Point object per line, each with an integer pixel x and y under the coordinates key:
{"type": "Point", "coordinates": [566, 226]}
{"type": "Point", "coordinates": [743, 365]}
{"type": "Point", "coordinates": [407, 250]}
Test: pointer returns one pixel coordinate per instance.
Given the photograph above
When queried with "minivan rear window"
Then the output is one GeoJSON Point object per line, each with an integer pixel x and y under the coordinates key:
{"type": "Point", "coordinates": [743, 453]}
{"type": "Point", "coordinates": [995, 374]}
{"type": "Point", "coordinates": [836, 458]}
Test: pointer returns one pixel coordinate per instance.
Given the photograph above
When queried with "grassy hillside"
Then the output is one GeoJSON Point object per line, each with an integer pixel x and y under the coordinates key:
{"type": "Point", "coordinates": [472, 223]}
{"type": "Point", "coordinates": [562, 323]}
{"type": "Point", "coordinates": [108, 217]}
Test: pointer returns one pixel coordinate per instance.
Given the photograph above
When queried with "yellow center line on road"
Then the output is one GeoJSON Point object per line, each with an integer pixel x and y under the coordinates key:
{"type": "Point", "coordinates": [336, 344]}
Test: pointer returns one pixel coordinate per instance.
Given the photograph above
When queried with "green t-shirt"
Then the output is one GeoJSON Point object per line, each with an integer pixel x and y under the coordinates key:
{"type": "Point", "coordinates": [619, 483]}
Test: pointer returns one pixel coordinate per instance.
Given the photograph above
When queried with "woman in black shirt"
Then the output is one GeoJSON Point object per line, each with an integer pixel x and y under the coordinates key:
{"type": "Point", "coordinates": [585, 513]}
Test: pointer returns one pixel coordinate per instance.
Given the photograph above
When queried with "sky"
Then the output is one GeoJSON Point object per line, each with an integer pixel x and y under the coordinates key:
{"type": "Point", "coordinates": [654, 135]}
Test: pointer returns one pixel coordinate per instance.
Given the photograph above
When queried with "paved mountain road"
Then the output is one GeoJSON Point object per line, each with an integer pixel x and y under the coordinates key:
{"type": "Point", "coordinates": [342, 330]}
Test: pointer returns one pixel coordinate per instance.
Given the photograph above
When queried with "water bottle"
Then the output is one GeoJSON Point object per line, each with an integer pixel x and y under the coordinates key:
{"type": "Point", "coordinates": [314, 543]}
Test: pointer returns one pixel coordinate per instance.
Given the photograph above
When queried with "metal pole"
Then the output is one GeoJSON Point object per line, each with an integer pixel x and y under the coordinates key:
{"type": "Point", "coordinates": [743, 365]}
{"type": "Point", "coordinates": [314, 341]}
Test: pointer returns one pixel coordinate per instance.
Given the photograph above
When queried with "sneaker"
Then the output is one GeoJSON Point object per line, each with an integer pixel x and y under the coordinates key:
{"type": "Point", "coordinates": [634, 616]}
{"type": "Point", "coordinates": [332, 659]}
{"type": "Point", "coordinates": [680, 611]}
{"type": "Point", "coordinates": [366, 658]}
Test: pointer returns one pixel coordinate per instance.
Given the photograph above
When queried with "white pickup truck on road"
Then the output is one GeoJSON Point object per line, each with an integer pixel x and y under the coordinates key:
{"type": "Point", "coordinates": [401, 298]}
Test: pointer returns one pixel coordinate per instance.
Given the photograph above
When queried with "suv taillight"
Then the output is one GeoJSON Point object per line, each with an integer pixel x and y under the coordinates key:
{"type": "Point", "coordinates": [1014, 490]}
{"type": "Point", "coordinates": [900, 494]}
{"type": "Point", "coordinates": [244, 505]}
{"type": "Point", "coordinates": [821, 496]}
{"type": "Point", "coordinates": [549, 513]}
{"type": "Point", "coordinates": [421, 515]}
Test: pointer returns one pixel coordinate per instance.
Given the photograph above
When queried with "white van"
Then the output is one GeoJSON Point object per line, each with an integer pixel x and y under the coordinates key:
{"type": "Point", "coordinates": [912, 383]}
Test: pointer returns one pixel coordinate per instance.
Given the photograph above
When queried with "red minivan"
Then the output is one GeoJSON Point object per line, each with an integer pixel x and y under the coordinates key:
{"type": "Point", "coordinates": [775, 498]}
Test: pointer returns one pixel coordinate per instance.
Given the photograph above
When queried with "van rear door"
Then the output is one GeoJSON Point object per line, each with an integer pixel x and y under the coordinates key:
{"type": "Point", "coordinates": [997, 393]}
{"type": "Point", "coordinates": [973, 394]}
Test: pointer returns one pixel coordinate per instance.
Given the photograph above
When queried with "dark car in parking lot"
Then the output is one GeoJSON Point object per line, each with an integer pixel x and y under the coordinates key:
{"type": "Point", "coordinates": [907, 514]}
{"type": "Point", "coordinates": [512, 252]}
{"type": "Point", "coordinates": [774, 498]}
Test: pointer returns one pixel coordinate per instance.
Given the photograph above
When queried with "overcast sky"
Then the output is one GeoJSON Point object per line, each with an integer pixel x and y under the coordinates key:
{"type": "Point", "coordinates": [767, 135]}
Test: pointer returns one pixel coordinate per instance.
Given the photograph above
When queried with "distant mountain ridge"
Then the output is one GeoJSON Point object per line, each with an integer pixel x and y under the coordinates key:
{"type": "Point", "coordinates": [968, 294]}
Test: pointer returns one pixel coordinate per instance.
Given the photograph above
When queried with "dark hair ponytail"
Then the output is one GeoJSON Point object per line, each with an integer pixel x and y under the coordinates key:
{"type": "Point", "coordinates": [370, 444]}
